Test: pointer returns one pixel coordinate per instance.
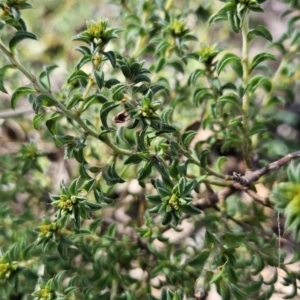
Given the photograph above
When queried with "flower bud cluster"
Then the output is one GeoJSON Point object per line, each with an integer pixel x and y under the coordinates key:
{"type": "Point", "coordinates": [174, 202]}
{"type": "Point", "coordinates": [7, 268]}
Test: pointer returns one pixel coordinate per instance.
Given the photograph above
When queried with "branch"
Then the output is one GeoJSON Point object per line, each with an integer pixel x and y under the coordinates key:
{"type": "Point", "coordinates": [15, 113]}
{"type": "Point", "coordinates": [263, 201]}
{"type": "Point", "coordinates": [252, 176]}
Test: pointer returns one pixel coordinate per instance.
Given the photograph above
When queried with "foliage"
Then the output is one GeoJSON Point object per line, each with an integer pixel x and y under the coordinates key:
{"type": "Point", "coordinates": [131, 113]}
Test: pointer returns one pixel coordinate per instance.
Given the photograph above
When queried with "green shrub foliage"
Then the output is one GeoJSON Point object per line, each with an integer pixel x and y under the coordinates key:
{"type": "Point", "coordinates": [177, 121]}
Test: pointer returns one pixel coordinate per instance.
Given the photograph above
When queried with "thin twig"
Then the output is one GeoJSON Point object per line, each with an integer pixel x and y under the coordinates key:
{"type": "Point", "coordinates": [252, 176]}
{"type": "Point", "coordinates": [7, 114]}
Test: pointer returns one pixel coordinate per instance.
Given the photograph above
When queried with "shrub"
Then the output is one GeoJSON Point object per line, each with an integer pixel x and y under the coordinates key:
{"type": "Point", "coordinates": [175, 149]}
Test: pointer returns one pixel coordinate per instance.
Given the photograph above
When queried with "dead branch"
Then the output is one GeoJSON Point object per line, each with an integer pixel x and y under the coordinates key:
{"type": "Point", "coordinates": [15, 113]}
{"type": "Point", "coordinates": [252, 176]}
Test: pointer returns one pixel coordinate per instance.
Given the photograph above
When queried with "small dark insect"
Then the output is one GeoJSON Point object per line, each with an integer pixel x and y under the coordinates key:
{"type": "Point", "coordinates": [121, 117]}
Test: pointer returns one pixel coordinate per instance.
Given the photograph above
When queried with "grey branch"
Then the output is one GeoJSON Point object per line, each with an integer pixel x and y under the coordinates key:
{"type": "Point", "coordinates": [15, 113]}
{"type": "Point", "coordinates": [252, 176]}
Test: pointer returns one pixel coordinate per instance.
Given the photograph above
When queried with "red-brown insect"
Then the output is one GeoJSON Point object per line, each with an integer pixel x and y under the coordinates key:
{"type": "Point", "coordinates": [121, 117]}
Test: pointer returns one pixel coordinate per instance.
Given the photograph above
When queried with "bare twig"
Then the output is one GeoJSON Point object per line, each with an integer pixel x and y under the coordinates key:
{"type": "Point", "coordinates": [252, 176]}
{"type": "Point", "coordinates": [15, 113]}
{"type": "Point", "coordinates": [258, 198]}
{"type": "Point", "coordinates": [253, 195]}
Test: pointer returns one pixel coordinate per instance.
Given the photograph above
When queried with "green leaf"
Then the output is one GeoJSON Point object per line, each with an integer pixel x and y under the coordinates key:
{"type": "Point", "coordinates": [180, 186]}
{"type": "Point", "coordinates": [220, 162]}
{"type": "Point", "coordinates": [141, 78]}
{"type": "Point", "coordinates": [92, 206]}
{"type": "Point", "coordinates": [20, 36]}
{"type": "Point", "coordinates": [121, 136]}
{"type": "Point", "coordinates": [234, 21]}
{"type": "Point", "coordinates": [156, 88]}
{"type": "Point", "coordinates": [166, 114]}
{"type": "Point", "coordinates": [83, 173]}
{"type": "Point", "coordinates": [255, 7]}
{"type": "Point", "coordinates": [106, 108]}
{"type": "Point", "coordinates": [45, 75]}
{"type": "Point", "coordinates": [293, 172]}
{"type": "Point", "coordinates": [165, 128]}
{"type": "Point", "coordinates": [177, 66]}
{"type": "Point", "coordinates": [61, 140]}
{"type": "Point", "coordinates": [190, 210]}
{"type": "Point", "coordinates": [237, 292]}
{"type": "Point", "coordinates": [78, 75]}
{"type": "Point", "coordinates": [257, 128]}
{"type": "Point", "coordinates": [84, 50]}
{"type": "Point", "coordinates": [202, 94]}
{"type": "Point", "coordinates": [160, 64]}
{"type": "Point", "coordinates": [58, 279]}
{"type": "Point", "coordinates": [187, 137]}
{"type": "Point", "coordinates": [160, 166]}
{"type": "Point", "coordinates": [111, 176]}
{"type": "Point", "coordinates": [287, 199]}
{"type": "Point", "coordinates": [44, 100]}
{"type": "Point", "coordinates": [2, 73]}
{"type": "Point", "coordinates": [161, 47]}
{"type": "Point", "coordinates": [86, 186]}
{"type": "Point", "coordinates": [257, 59]}
{"type": "Point", "coordinates": [73, 187]}
{"type": "Point", "coordinates": [63, 250]}
{"type": "Point", "coordinates": [111, 57]}
{"type": "Point", "coordinates": [129, 296]}
{"type": "Point", "coordinates": [154, 199]}
{"type": "Point", "coordinates": [257, 264]}
{"type": "Point", "coordinates": [18, 93]}
{"type": "Point", "coordinates": [36, 120]}
{"type": "Point", "coordinates": [215, 18]}
{"type": "Point", "coordinates": [145, 172]}
{"type": "Point", "coordinates": [94, 99]}
{"type": "Point", "coordinates": [126, 71]}
{"type": "Point", "coordinates": [51, 124]}
{"type": "Point", "coordinates": [233, 60]}
{"type": "Point", "coordinates": [117, 91]}
{"type": "Point", "coordinates": [217, 276]}
{"type": "Point", "coordinates": [259, 81]}
{"type": "Point", "coordinates": [203, 157]}
{"type": "Point", "coordinates": [133, 159]}
{"type": "Point", "coordinates": [267, 294]}
{"type": "Point", "coordinates": [208, 121]}
{"type": "Point", "coordinates": [211, 238]}
{"type": "Point", "coordinates": [78, 154]}
{"type": "Point", "coordinates": [140, 140]}
{"type": "Point", "coordinates": [295, 39]}
{"type": "Point", "coordinates": [254, 287]}
{"type": "Point", "coordinates": [261, 31]}
{"type": "Point", "coordinates": [167, 218]}
{"type": "Point", "coordinates": [221, 14]}
{"type": "Point", "coordinates": [195, 75]}
{"type": "Point", "coordinates": [74, 100]}
{"type": "Point", "coordinates": [99, 76]}
{"type": "Point", "coordinates": [231, 99]}
{"type": "Point", "coordinates": [84, 60]}
{"type": "Point", "coordinates": [199, 260]}
{"type": "Point", "coordinates": [189, 186]}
